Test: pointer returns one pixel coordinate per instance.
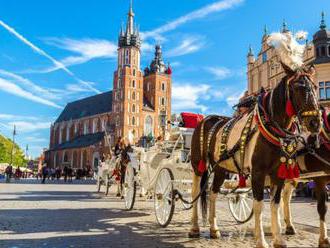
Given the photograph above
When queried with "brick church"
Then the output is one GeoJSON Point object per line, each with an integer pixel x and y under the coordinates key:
{"type": "Point", "coordinates": [138, 105]}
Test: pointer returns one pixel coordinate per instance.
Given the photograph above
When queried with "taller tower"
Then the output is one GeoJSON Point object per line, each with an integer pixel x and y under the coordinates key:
{"type": "Point", "coordinates": [128, 82]}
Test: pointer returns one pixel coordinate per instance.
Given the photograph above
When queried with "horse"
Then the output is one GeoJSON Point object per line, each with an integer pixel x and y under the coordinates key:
{"type": "Point", "coordinates": [219, 147]}
{"type": "Point", "coordinates": [313, 163]}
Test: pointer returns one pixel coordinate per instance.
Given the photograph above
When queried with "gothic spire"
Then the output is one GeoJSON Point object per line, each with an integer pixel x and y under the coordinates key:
{"type": "Point", "coordinates": [250, 53]}
{"type": "Point", "coordinates": [130, 20]}
{"type": "Point", "coordinates": [323, 26]}
{"type": "Point", "coordinates": [265, 30]}
{"type": "Point", "coordinates": [285, 27]}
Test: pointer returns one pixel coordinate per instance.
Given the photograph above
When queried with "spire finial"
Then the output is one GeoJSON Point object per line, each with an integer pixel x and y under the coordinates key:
{"type": "Point", "coordinates": [322, 25]}
{"type": "Point", "coordinates": [284, 27]}
{"type": "Point", "coordinates": [250, 53]}
{"type": "Point", "coordinates": [265, 30]}
{"type": "Point", "coordinates": [131, 7]}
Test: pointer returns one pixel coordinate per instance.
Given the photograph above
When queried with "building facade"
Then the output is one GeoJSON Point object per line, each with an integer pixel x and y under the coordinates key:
{"type": "Point", "coordinates": [266, 71]}
{"type": "Point", "coordinates": [137, 106]}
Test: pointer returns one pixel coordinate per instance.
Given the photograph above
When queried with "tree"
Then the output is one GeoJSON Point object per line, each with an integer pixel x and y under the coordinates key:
{"type": "Point", "coordinates": [6, 146]}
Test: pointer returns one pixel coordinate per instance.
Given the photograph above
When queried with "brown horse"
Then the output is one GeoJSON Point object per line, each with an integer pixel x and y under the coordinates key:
{"type": "Point", "coordinates": [310, 163]}
{"type": "Point", "coordinates": [208, 146]}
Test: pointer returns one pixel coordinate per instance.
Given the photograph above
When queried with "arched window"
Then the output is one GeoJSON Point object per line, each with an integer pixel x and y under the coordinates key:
{"type": "Point", "coordinates": [133, 108]}
{"type": "Point", "coordinates": [134, 72]}
{"type": "Point", "coordinates": [133, 84]}
{"type": "Point", "coordinates": [133, 95]}
{"type": "Point", "coordinates": [163, 86]}
{"type": "Point", "coordinates": [65, 157]}
{"type": "Point", "coordinates": [119, 83]}
{"type": "Point", "coordinates": [163, 101]}
{"type": "Point", "coordinates": [133, 121]}
{"type": "Point", "coordinates": [85, 127]}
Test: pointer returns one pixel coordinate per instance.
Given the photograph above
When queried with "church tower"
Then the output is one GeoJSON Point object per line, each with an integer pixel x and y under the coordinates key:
{"type": "Point", "coordinates": [127, 97]}
{"type": "Point", "coordinates": [157, 88]}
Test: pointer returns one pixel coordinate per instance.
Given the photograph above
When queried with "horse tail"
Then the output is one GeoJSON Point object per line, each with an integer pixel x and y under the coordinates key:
{"type": "Point", "coordinates": [203, 188]}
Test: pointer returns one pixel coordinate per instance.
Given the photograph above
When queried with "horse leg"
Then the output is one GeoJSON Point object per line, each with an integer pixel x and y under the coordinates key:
{"type": "Point", "coordinates": [258, 184]}
{"type": "Point", "coordinates": [275, 215]}
{"type": "Point", "coordinates": [219, 177]}
{"type": "Point", "coordinates": [321, 195]}
{"type": "Point", "coordinates": [194, 231]}
{"type": "Point", "coordinates": [286, 196]}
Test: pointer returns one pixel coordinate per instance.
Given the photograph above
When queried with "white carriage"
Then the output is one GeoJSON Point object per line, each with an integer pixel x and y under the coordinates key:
{"type": "Point", "coordinates": [163, 173]}
{"type": "Point", "coordinates": [106, 174]}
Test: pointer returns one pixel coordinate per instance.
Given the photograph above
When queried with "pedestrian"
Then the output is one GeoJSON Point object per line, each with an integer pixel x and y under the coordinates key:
{"type": "Point", "coordinates": [44, 172]}
{"type": "Point", "coordinates": [65, 172]}
{"type": "Point", "coordinates": [8, 172]}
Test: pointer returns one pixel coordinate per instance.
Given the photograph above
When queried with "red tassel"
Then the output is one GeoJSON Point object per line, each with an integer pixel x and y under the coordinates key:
{"type": "Point", "coordinates": [289, 109]}
{"type": "Point", "coordinates": [290, 173]}
{"type": "Point", "coordinates": [282, 171]}
{"type": "Point", "coordinates": [201, 166]}
{"type": "Point", "coordinates": [242, 182]}
{"type": "Point", "coordinates": [296, 171]}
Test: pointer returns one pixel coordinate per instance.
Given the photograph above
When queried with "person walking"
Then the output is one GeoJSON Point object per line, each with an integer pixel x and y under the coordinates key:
{"type": "Point", "coordinates": [8, 172]}
{"type": "Point", "coordinates": [44, 172]}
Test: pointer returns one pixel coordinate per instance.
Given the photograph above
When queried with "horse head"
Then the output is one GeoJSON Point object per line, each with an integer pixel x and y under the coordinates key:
{"type": "Point", "coordinates": [301, 98]}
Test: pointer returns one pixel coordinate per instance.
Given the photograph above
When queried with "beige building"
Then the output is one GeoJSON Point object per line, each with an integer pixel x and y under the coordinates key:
{"type": "Point", "coordinates": [266, 71]}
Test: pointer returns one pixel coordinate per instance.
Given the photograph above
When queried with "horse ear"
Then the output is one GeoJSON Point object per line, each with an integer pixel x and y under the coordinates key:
{"type": "Point", "coordinates": [311, 70]}
{"type": "Point", "coordinates": [287, 69]}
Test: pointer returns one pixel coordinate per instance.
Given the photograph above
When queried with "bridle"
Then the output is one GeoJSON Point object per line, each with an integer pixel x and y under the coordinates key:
{"type": "Point", "coordinates": [308, 85]}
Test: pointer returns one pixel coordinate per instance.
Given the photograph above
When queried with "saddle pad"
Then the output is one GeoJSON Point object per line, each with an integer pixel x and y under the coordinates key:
{"type": "Point", "coordinates": [134, 161]}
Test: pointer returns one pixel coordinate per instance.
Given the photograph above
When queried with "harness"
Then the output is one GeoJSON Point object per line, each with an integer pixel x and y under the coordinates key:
{"type": "Point", "coordinates": [286, 140]}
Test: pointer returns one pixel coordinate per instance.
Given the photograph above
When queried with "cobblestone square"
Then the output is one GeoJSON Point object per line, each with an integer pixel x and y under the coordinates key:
{"type": "Point", "coordinates": [73, 215]}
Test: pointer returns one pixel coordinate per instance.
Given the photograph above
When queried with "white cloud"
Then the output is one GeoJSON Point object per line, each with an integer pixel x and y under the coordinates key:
{"type": "Point", "coordinates": [44, 54]}
{"type": "Point", "coordinates": [34, 139]}
{"type": "Point", "coordinates": [24, 126]}
{"type": "Point", "coordinates": [197, 14]}
{"type": "Point", "coordinates": [16, 117]}
{"type": "Point", "coordinates": [234, 98]}
{"type": "Point", "coordinates": [14, 89]}
{"type": "Point", "coordinates": [188, 45]}
{"type": "Point", "coordinates": [219, 72]}
{"type": "Point", "coordinates": [187, 96]}
{"type": "Point", "coordinates": [86, 50]}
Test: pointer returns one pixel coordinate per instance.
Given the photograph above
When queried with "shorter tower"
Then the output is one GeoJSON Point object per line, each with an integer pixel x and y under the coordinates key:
{"type": "Point", "coordinates": [157, 89]}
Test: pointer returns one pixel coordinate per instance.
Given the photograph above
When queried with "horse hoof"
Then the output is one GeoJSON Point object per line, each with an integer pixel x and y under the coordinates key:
{"type": "Point", "coordinates": [118, 195]}
{"type": "Point", "coordinates": [194, 233]}
{"type": "Point", "coordinates": [324, 243]}
{"type": "Point", "coordinates": [262, 245]}
{"type": "Point", "coordinates": [279, 246]}
{"type": "Point", "coordinates": [215, 234]}
{"type": "Point", "coordinates": [290, 230]}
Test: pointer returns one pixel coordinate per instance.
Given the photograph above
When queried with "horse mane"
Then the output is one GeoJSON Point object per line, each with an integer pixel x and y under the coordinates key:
{"type": "Point", "coordinates": [279, 96]}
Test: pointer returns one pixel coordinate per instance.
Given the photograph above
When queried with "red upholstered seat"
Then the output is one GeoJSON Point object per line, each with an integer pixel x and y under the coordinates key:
{"type": "Point", "coordinates": [191, 120]}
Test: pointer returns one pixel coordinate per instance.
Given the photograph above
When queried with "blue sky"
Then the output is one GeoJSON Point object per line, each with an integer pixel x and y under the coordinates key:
{"type": "Point", "coordinates": [54, 52]}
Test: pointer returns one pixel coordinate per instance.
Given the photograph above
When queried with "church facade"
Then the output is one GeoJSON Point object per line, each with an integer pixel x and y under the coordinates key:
{"type": "Point", "coordinates": [138, 105]}
{"type": "Point", "coordinates": [266, 71]}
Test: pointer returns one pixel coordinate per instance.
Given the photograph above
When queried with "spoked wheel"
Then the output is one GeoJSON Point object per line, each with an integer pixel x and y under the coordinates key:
{"type": "Point", "coordinates": [241, 206]}
{"type": "Point", "coordinates": [164, 197]}
{"type": "Point", "coordinates": [107, 184]}
{"type": "Point", "coordinates": [129, 190]}
{"type": "Point", "coordinates": [98, 184]}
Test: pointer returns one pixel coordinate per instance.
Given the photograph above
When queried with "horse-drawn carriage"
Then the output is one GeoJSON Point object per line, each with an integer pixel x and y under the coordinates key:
{"type": "Point", "coordinates": [163, 173]}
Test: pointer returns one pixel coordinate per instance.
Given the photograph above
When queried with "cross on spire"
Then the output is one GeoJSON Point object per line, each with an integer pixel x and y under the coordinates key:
{"type": "Point", "coordinates": [284, 27]}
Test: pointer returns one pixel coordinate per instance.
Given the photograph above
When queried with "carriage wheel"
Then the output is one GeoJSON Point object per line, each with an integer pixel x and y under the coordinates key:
{"type": "Point", "coordinates": [98, 184]}
{"type": "Point", "coordinates": [164, 197]}
{"type": "Point", "coordinates": [107, 184]}
{"type": "Point", "coordinates": [129, 188]}
{"type": "Point", "coordinates": [241, 206]}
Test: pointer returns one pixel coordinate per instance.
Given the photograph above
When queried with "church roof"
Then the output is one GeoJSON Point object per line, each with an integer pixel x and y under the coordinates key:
{"type": "Point", "coordinates": [81, 141]}
{"type": "Point", "coordinates": [93, 105]}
